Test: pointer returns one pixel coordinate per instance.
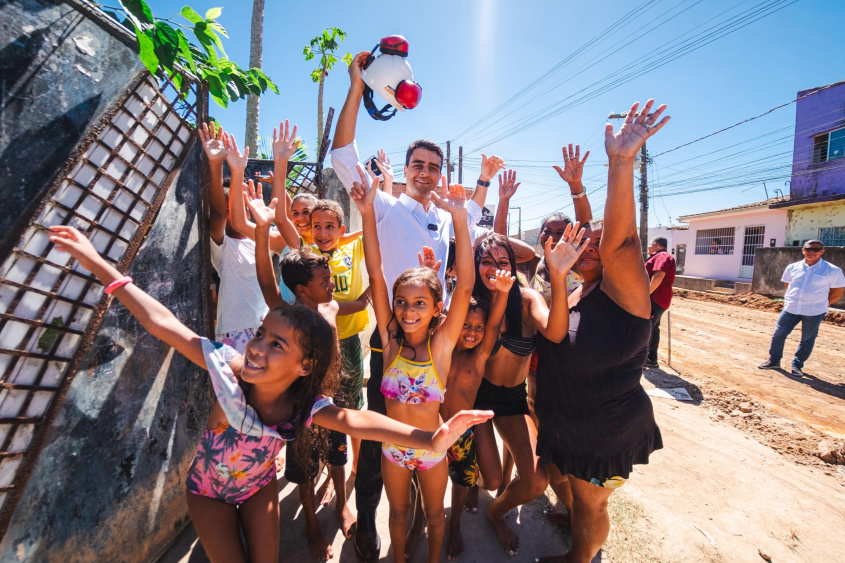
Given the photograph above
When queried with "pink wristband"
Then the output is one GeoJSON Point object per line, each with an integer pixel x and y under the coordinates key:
{"type": "Point", "coordinates": [117, 284]}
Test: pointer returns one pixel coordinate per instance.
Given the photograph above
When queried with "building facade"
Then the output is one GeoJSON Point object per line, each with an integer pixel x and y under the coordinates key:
{"type": "Point", "coordinates": [721, 244]}
{"type": "Point", "coordinates": [816, 208]}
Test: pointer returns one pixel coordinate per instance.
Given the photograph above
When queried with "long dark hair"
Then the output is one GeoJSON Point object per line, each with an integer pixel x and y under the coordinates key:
{"type": "Point", "coordinates": [320, 353]}
{"type": "Point", "coordinates": [513, 312]}
{"type": "Point", "coordinates": [429, 278]}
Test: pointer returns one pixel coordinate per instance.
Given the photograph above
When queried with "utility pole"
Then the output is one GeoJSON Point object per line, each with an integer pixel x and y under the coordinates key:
{"type": "Point", "coordinates": [461, 165]}
{"type": "Point", "coordinates": [519, 236]}
{"type": "Point", "coordinates": [448, 164]}
{"type": "Point", "coordinates": [643, 189]}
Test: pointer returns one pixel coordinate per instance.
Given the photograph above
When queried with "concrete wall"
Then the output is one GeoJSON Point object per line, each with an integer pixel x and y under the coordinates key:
{"type": "Point", "coordinates": [771, 262]}
{"type": "Point", "coordinates": [815, 115]}
{"type": "Point", "coordinates": [803, 223]}
{"type": "Point", "coordinates": [60, 71]}
{"type": "Point", "coordinates": [727, 266]}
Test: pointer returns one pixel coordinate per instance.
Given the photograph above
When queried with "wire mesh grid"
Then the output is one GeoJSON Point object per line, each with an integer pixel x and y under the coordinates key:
{"type": "Point", "coordinates": [50, 306]}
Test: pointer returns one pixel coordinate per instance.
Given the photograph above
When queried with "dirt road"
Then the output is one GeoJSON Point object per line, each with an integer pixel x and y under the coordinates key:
{"type": "Point", "coordinates": [729, 485]}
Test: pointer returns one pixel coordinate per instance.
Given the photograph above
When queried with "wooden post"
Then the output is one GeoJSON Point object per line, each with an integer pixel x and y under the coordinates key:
{"type": "Point", "coordinates": [448, 160]}
{"type": "Point", "coordinates": [461, 165]}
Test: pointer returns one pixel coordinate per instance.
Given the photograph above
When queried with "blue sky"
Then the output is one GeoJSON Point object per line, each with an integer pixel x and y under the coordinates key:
{"type": "Point", "coordinates": [472, 56]}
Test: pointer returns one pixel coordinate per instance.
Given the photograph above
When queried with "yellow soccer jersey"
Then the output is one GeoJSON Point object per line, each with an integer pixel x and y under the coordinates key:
{"type": "Point", "coordinates": [345, 265]}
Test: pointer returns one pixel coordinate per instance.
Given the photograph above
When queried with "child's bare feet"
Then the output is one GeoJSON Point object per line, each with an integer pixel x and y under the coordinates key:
{"type": "Point", "coordinates": [347, 520]}
{"type": "Point", "coordinates": [413, 536]}
{"type": "Point", "coordinates": [318, 548]}
{"type": "Point", "coordinates": [454, 541]}
{"type": "Point", "coordinates": [558, 516]}
{"type": "Point", "coordinates": [471, 502]}
{"type": "Point", "coordinates": [507, 538]}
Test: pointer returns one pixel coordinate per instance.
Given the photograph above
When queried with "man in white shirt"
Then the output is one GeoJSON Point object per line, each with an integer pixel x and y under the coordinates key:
{"type": "Point", "coordinates": [404, 225]}
{"type": "Point", "coordinates": [812, 285]}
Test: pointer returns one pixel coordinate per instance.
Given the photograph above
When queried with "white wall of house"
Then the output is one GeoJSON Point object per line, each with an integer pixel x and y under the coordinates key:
{"type": "Point", "coordinates": [729, 266]}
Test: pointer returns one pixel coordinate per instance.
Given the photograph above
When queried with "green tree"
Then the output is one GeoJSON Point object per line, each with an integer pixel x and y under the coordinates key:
{"type": "Point", "coordinates": [163, 47]}
{"type": "Point", "coordinates": [324, 46]}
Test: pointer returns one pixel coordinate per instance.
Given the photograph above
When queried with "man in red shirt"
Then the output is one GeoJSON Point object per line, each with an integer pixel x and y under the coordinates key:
{"type": "Point", "coordinates": [661, 270]}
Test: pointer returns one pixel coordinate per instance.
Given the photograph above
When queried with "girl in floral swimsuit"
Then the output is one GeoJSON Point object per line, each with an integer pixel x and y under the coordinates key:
{"type": "Point", "coordinates": [418, 353]}
{"type": "Point", "coordinates": [269, 394]}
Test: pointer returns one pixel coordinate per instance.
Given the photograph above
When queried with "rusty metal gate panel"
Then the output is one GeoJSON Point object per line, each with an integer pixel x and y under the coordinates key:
{"type": "Point", "coordinates": [51, 307]}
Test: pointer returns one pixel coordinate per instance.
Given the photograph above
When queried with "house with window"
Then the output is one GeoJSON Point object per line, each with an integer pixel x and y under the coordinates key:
{"type": "Point", "coordinates": [816, 207]}
{"type": "Point", "coordinates": [720, 244]}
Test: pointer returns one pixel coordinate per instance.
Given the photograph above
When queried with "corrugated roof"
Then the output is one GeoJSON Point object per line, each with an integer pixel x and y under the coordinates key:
{"type": "Point", "coordinates": [748, 206]}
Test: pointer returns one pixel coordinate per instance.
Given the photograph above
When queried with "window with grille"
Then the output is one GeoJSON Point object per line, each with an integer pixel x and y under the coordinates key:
{"type": "Point", "coordinates": [50, 306]}
{"type": "Point", "coordinates": [829, 146]}
{"type": "Point", "coordinates": [832, 236]}
{"type": "Point", "coordinates": [715, 241]}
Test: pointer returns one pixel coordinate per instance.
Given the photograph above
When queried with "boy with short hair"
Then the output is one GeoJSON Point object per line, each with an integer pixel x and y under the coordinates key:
{"type": "Point", "coordinates": [309, 277]}
{"type": "Point", "coordinates": [345, 261]}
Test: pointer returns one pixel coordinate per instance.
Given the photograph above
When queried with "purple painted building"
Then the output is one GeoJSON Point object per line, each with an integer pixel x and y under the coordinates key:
{"type": "Point", "coordinates": [816, 207]}
{"type": "Point", "coordinates": [818, 159]}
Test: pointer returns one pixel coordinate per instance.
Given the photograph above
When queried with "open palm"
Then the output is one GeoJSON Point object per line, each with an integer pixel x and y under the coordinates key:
{"type": "Point", "coordinates": [634, 131]}
{"type": "Point", "coordinates": [566, 252]}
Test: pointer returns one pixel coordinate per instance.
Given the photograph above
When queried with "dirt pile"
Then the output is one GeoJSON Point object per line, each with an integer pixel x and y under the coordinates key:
{"type": "Point", "coordinates": [749, 301]}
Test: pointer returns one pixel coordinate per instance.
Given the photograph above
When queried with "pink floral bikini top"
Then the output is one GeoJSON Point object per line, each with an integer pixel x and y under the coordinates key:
{"type": "Point", "coordinates": [412, 382]}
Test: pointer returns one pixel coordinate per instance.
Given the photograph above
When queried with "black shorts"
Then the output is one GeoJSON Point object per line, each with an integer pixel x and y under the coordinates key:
{"type": "Point", "coordinates": [503, 401]}
{"type": "Point", "coordinates": [336, 457]}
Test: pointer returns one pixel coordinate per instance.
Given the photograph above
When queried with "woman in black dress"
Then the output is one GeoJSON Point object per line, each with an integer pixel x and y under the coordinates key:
{"type": "Point", "coordinates": [596, 420]}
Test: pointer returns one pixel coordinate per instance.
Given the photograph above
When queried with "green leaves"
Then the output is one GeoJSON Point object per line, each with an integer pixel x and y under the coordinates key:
{"type": "Point", "coordinates": [325, 45]}
{"type": "Point", "coordinates": [138, 12]}
{"type": "Point", "coordinates": [163, 48]}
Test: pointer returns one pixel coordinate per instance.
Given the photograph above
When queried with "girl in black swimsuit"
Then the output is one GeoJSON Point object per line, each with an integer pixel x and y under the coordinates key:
{"type": "Point", "coordinates": [503, 389]}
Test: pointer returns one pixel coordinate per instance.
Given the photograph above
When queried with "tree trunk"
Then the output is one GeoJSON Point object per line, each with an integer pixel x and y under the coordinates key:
{"type": "Point", "coordinates": [320, 111]}
{"type": "Point", "coordinates": [256, 39]}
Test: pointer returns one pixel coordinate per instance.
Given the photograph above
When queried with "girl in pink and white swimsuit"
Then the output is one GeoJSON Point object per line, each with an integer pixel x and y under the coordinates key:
{"type": "Point", "coordinates": [417, 351]}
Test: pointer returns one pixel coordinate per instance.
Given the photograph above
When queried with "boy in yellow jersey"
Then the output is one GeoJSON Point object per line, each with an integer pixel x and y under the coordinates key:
{"type": "Point", "coordinates": [345, 263]}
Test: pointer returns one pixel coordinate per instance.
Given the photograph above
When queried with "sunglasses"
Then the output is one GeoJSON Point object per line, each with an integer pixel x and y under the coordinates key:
{"type": "Point", "coordinates": [812, 249]}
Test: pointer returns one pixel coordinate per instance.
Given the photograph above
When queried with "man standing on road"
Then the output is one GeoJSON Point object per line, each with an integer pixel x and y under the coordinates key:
{"type": "Point", "coordinates": [812, 285]}
{"type": "Point", "coordinates": [405, 225]}
{"type": "Point", "coordinates": [661, 270]}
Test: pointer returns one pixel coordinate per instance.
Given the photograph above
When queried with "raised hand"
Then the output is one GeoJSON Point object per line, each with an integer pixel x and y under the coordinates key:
{"type": "Point", "coordinates": [212, 142]}
{"type": "Point", "coordinates": [235, 158]}
{"type": "Point", "coordinates": [490, 166]}
{"type": "Point", "coordinates": [285, 142]}
{"type": "Point", "coordinates": [68, 239]}
{"type": "Point", "coordinates": [428, 260]}
{"type": "Point", "coordinates": [561, 259]}
{"type": "Point", "coordinates": [455, 200]}
{"type": "Point", "coordinates": [507, 185]}
{"type": "Point", "coordinates": [361, 193]}
{"type": "Point", "coordinates": [263, 215]}
{"type": "Point", "coordinates": [503, 281]}
{"type": "Point", "coordinates": [452, 429]}
{"type": "Point", "coordinates": [386, 169]}
{"type": "Point", "coordinates": [356, 67]}
{"type": "Point", "coordinates": [573, 165]}
{"type": "Point", "coordinates": [634, 131]}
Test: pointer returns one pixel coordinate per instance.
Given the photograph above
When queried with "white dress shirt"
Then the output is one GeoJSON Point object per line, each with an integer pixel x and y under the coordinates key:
{"type": "Point", "coordinates": [403, 225]}
{"type": "Point", "coordinates": [809, 287]}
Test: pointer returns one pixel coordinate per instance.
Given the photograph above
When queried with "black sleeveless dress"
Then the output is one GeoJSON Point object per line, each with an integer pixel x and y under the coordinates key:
{"type": "Point", "coordinates": [596, 420]}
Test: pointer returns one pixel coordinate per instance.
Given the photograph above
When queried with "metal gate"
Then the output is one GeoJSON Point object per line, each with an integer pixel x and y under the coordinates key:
{"type": "Point", "coordinates": [680, 258]}
{"type": "Point", "coordinates": [753, 238]}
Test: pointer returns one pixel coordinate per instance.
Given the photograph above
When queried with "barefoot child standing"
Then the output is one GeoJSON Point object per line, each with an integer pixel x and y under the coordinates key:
{"type": "Point", "coordinates": [417, 353]}
{"type": "Point", "coordinates": [309, 277]}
